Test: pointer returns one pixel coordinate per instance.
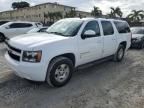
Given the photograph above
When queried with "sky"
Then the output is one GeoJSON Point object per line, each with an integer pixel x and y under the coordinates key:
{"type": "Point", "coordinates": [85, 5]}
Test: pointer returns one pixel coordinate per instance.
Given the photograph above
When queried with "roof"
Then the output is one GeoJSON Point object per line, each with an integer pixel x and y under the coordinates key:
{"type": "Point", "coordinates": [92, 18]}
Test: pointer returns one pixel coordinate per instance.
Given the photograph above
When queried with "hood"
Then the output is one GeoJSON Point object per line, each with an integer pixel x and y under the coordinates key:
{"type": "Point", "coordinates": [33, 39]}
{"type": "Point", "coordinates": [137, 35]}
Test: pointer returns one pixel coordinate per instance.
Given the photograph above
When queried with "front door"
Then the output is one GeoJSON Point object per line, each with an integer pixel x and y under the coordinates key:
{"type": "Point", "coordinates": [90, 47]}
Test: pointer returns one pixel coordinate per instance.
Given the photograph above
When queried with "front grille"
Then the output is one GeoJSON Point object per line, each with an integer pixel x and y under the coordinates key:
{"type": "Point", "coordinates": [13, 48]}
{"type": "Point", "coordinates": [13, 52]}
{"type": "Point", "coordinates": [13, 56]}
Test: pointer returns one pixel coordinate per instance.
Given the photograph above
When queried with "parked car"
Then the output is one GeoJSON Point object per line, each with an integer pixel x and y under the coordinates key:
{"type": "Point", "coordinates": [35, 30]}
{"type": "Point", "coordinates": [137, 37]}
{"type": "Point", "coordinates": [3, 22]}
{"type": "Point", "coordinates": [67, 44]}
{"type": "Point", "coordinates": [11, 29]}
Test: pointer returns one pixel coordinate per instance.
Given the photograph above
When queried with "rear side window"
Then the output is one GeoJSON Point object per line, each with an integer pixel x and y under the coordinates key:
{"type": "Point", "coordinates": [20, 25]}
{"type": "Point", "coordinates": [38, 24]}
{"type": "Point", "coordinates": [122, 27]}
{"type": "Point", "coordinates": [107, 28]}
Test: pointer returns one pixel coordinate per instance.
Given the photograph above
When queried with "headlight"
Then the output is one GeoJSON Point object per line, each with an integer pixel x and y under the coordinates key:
{"type": "Point", "coordinates": [138, 39]}
{"type": "Point", "coordinates": [32, 56]}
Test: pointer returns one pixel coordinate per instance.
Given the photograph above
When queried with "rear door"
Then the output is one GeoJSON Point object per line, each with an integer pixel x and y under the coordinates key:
{"type": "Point", "coordinates": [123, 32]}
{"type": "Point", "coordinates": [90, 48]}
{"type": "Point", "coordinates": [109, 38]}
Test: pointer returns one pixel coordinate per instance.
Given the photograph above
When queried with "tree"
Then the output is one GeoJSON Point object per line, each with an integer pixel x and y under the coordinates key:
{"type": "Point", "coordinates": [71, 14]}
{"type": "Point", "coordinates": [96, 12]}
{"type": "Point", "coordinates": [115, 12]}
{"type": "Point", "coordinates": [18, 5]}
{"type": "Point", "coordinates": [58, 15]}
{"type": "Point", "coordinates": [136, 16]}
{"type": "Point", "coordinates": [53, 16]}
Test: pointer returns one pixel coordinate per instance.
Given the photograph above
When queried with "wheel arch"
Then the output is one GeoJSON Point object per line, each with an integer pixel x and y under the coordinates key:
{"type": "Point", "coordinates": [124, 43]}
{"type": "Point", "coordinates": [2, 34]}
{"type": "Point", "coordinates": [71, 56]}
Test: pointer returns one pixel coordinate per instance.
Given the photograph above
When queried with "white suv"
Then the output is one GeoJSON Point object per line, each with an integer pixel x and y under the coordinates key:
{"type": "Point", "coordinates": [11, 29]}
{"type": "Point", "coordinates": [67, 44]}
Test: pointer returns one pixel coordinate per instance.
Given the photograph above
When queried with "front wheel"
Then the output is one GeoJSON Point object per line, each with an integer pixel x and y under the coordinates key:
{"type": "Point", "coordinates": [59, 72]}
{"type": "Point", "coordinates": [118, 57]}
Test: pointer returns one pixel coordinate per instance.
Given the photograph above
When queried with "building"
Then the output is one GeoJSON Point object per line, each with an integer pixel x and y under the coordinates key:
{"type": "Point", "coordinates": [40, 12]}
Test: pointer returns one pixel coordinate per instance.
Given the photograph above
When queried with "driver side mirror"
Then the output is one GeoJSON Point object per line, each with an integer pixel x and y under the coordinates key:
{"type": "Point", "coordinates": [88, 34]}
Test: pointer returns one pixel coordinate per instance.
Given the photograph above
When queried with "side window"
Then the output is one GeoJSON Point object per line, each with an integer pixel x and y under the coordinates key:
{"type": "Point", "coordinates": [38, 24]}
{"type": "Point", "coordinates": [14, 25]}
{"type": "Point", "coordinates": [107, 28]}
{"type": "Point", "coordinates": [93, 25]}
{"type": "Point", "coordinates": [122, 27]}
{"type": "Point", "coordinates": [42, 30]}
{"type": "Point", "coordinates": [20, 25]}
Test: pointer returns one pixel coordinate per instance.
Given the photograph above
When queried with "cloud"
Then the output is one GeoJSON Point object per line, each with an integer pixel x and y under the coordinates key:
{"type": "Point", "coordinates": [85, 5]}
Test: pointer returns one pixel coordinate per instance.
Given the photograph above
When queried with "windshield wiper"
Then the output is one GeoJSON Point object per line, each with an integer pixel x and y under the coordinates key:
{"type": "Point", "coordinates": [57, 33]}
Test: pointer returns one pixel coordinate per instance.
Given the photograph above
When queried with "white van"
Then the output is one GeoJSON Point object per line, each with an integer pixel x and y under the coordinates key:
{"type": "Point", "coordinates": [67, 44]}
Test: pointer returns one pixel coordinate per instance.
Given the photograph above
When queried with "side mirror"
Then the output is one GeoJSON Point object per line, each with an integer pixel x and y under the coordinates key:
{"type": "Point", "coordinates": [88, 34]}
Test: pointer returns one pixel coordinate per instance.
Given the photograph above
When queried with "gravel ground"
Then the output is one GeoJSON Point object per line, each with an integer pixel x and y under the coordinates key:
{"type": "Point", "coordinates": [106, 85]}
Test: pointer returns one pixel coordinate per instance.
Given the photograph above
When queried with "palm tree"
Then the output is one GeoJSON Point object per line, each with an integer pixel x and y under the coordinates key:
{"type": "Point", "coordinates": [116, 12]}
{"type": "Point", "coordinates": [136, 16]}
{"type": "Point", "coordinates": [96, 12]}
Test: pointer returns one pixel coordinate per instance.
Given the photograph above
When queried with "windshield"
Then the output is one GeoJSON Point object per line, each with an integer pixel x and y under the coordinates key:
{"type": "Point", "coordinates": [137, 31]}
{"type": "Point", "coordinates": [34, 30]}
{"type": "Point", "coordinates": [65, 27]}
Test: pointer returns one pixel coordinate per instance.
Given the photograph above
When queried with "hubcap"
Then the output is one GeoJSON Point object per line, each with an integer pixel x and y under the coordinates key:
{"type": "Point", "coordinates": [62, 72]}
{"type": "Point", "coordinates": [120, 53]}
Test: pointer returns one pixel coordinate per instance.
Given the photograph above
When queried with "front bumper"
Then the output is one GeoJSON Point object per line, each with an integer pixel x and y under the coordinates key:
{"type": "Point", "coordinates": [136, 43]}
{"type": "Point", "coordinates": [30, 71]}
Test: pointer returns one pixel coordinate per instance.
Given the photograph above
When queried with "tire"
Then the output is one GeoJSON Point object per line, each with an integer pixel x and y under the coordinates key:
{"type": "Point", "coordinates": [119, 55]}
{"type": "Point", "coordinates": [2, 38]}
{"type": "Point", "coordinates": [59, 72]}
{"type": "Point", "coordinates": [141, 46]}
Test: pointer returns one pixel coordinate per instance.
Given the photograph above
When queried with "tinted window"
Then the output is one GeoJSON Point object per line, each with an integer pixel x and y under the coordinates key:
{"type": "Point", "coordinates": [122, 27]}
{"type": "Point", "coordinates": [38, 24]}
{"type": "Point", "coordinates": [93, 25]}
{"type": "Point", "coordinates": [20, 25]}
{"type": "Point", "coordinates": [3, 22]}
{"type": "Point", "coordinates": [42, 30]}
{"type": "Point", "coordinates": [107, 28]}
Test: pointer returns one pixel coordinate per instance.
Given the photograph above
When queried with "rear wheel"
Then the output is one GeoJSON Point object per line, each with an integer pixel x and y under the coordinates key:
{"type": "Point", "coordinates": [118, 57]}
{"type": "Point", "coordinates": [59, 72]}
{"type": "Point", "coordinates": [2, 38]}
